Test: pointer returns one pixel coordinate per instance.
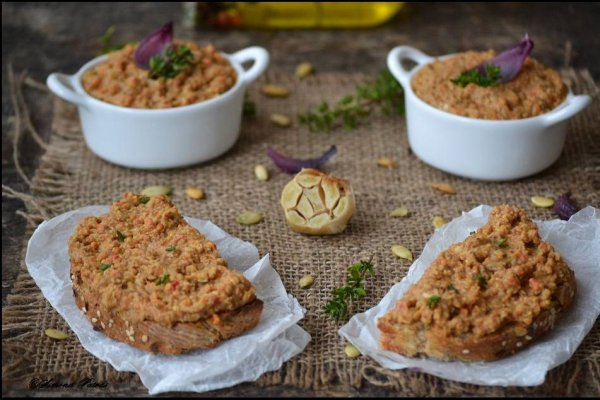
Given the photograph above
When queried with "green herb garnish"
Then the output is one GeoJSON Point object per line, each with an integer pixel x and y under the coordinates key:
{"type": "Point", "coordinates": [249, 108]}
{"type": "Point", "coordinates": [472, 233]}
{"type": "Point", "coordinates": [481, 281]}
{"type": "Point", "coordinates": [104, 266]}
{"type": "Point", "coordinates": [143, 200]}
{"type": "Point", "coordinates": [490, 78]}
{"type": "Point", "coordinates": [433, 300]}
{"type": "Point", "coordinates": [500, 243]}
{"type": "Point", "coordinates": [163, 279]}
{"type": "Point", "coordinates": [452, 288]}
{"type": "Point", "coordinates": [385, 94]}
{"type": "Point", "coordinates": [174, 60]}
{"type": "Point", "coordinates": [120, 236]}
{"type": "Point", "coordinates": [337, 307]}
{"type": "Point", "coordinates": [171, 248]}
{"type": "Point", "coordinates": [106, 41]}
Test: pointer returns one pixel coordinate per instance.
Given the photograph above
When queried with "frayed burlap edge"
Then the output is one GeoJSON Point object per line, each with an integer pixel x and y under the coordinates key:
{"type": "Point", "coordinates": [50, 188]}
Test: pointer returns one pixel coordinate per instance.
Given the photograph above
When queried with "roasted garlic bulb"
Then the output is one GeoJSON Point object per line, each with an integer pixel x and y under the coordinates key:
{"type": "Point", "coordinates": [317, 204]}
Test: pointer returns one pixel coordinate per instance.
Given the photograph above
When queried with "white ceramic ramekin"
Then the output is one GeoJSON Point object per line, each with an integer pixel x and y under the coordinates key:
{"type": "Point", "coordinates": [477, 148]}
{"type": "Point", "coordinates": [162, 138]}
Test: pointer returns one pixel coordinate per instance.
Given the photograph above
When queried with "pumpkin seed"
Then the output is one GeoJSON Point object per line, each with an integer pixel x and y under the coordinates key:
{"type": "Point", "coordinates": [520, 331]}
{"type": "Point", "coordinates": [249, 218]}
{"type": "Point", "coordinates": [272, 90]}
{"type": "Point", "coordinates": [438, 221]}
{"type": "Point", "coordinates": [444, 187]}
{"type": "Point", "coordinates": [281, 120]}
{"type": "Point", "coordinates": [402, 252]}
{"type": "Point", "coordinates": [351, 351]}
{"type": "Point", "coordinates": [304, 69]}
{"type": "Point", "coordinates": [387, 163]}
{"type": "Point", "coordinates": [306, 281]}
{"type": "Point", "coordinates": [157, 190]}
{"type": "Point", "coordinates": [261, 173]}
{"type": "Point", "coordinates": [399, 212]}
{"type": "Point", "coordinates": [541, 201]}
{"type": "Point", "coordinates": [194, 193]}
{"type": "Point", "coordinates": [56, 334]}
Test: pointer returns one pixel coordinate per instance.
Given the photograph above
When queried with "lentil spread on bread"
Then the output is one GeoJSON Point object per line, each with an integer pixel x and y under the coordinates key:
{"type": "Point", "coordinates": [484, 298]}
{"type": "Point", "coordinates": [143, 275]}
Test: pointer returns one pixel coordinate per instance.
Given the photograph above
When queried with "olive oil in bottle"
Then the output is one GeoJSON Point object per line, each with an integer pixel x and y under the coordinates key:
{"type": "Point", "coordinates": [282, 15]}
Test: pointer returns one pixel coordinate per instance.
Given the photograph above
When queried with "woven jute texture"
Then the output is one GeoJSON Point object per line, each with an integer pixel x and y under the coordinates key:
{"type": "Point", "coordinates": [70, 176]}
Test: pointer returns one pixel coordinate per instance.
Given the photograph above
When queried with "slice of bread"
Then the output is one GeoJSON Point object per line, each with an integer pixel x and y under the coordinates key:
{"type": "Point", "coordinates": [484, 298]}
{"type": "Point", "coordinates": [144, 276]}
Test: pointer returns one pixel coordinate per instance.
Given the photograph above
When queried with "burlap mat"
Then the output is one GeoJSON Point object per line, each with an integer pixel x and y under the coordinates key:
{"type": "Point", "coordinates": [70, 176]}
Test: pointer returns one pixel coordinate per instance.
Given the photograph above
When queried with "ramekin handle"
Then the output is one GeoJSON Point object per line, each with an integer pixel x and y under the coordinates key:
{"type": "Point", "coordinates": [401, 53]}
{"type": "Point", "coordinates": [574, 105]}
{"type": "Point", "coordinates": [62, 86]}
{"type": "Point", "coordinates": [260, 57]}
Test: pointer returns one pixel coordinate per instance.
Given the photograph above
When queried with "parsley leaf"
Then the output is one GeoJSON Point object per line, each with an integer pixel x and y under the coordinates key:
{"type": "Point", "coordinates": [452, 288]}
{"type": "Point", "coordinates": [500, 243]}
{"type": "Point", "coordinates": [120, 236]}
{"type": "Point", "coordinates": [143, 200]}
{"type": "Point", "coordinates": [491, 77]}
{"type": "Point", "coordinates": [481, 281]}
{"type": "Point", "coordinates": [105, 266]}
{"type": "Point", "coordinates": [174, 60]}
{"type": "Point", "coordinates": [163, 279]}
{"type": "Point", "coordinates": [171, 248]}
{"type": "Point", "coordinates": [433, 300]}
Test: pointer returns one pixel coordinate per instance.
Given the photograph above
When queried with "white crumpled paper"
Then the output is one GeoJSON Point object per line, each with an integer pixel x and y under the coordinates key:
{"type": "Point", "coordinates": [273, 341]}
{"type": "Point", "coordinates": [577, 240]}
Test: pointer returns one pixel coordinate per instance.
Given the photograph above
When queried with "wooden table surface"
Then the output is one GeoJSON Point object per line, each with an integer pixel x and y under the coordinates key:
{"type": "Point", "coordinates": [41, 38]}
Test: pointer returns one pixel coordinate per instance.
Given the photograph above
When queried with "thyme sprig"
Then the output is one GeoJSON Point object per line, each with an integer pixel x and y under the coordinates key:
{"type": "Point", "coordinates": [337, 307]}
{"type": "Point", "coordinates": [171, 62]}
{"type": "Point", "coordinates": [384, 94]}
{"type": "Point", "coordinates": [249, 108]}
{"type": "Point", "coordinates": [106, 41]}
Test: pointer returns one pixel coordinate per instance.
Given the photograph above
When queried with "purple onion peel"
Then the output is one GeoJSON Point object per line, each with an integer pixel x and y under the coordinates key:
{"type": "Point", "coordinates": [564, 207]}
{"type": "Point", "coordinates": [293, 165]}
{"type": "Point", "coordinates": [153, 45]}
{"type": "Point", "coordinates": [509, 61]}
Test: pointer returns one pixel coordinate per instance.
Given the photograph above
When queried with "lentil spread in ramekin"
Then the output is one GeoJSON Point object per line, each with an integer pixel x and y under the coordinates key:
{"type": "Point", "coordinates": [534, 91]}
{"type": "Point", "coordinates": [121, 82]}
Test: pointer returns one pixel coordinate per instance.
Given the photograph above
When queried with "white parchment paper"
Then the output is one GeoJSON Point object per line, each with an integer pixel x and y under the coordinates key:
{"type": "Point", "coordinates": [577, 240]}
{"type": "Point", "coordinates": [273, 341]}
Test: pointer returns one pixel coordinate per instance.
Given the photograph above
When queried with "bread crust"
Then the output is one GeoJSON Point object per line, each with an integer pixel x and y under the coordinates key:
{"type": "Point", "coordinates": [177, 339]}
{"type": "Point", "coordinates": [433, 338]}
